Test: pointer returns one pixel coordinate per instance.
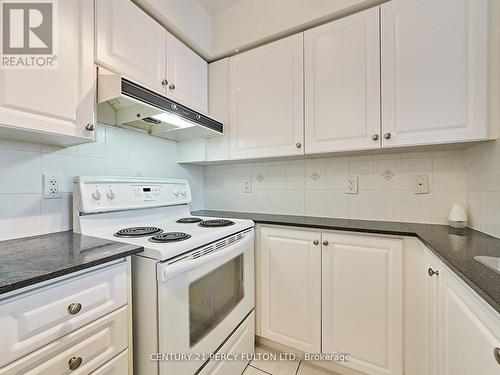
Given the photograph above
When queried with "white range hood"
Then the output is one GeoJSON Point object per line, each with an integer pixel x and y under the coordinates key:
{"type": "Point", "coordinates": [136, 107]}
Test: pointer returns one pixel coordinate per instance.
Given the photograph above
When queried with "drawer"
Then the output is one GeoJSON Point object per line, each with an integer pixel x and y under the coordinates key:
{"type": "Point", "coordinates": [241, 341]}
{"type": "Point", "coordinates": [95, 344]}
{"type": "Point", "coordinates": [33, 319]}
{"type": "Point", "coordinates": [117, 366]}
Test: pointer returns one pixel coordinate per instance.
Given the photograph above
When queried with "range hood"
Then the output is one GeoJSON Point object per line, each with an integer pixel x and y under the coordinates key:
{"type": "Point", "coordinates": [138, 108]}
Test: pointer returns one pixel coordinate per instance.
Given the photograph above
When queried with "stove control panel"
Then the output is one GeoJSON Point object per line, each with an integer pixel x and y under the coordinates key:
{"type": "Point", "coordinates": [101, 194]}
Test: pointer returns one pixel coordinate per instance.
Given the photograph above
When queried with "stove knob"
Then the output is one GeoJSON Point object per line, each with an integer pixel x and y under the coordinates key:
{"type": "Point", "coordinates": [176, 192]}
{"type": "Point", "coordinates": [183, 193]}
{"type": "Point", "coordinates": [110, 194]}
{"type": "Point", "coordinates": [96, 194]}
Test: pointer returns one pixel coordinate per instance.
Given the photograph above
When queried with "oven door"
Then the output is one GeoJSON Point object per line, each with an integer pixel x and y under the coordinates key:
{"type": "Point", "coordinates": [201, 299]}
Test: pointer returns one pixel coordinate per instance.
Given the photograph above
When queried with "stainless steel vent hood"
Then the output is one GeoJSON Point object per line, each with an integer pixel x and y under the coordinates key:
{"type": "Point", "coordinates": [136, 107]}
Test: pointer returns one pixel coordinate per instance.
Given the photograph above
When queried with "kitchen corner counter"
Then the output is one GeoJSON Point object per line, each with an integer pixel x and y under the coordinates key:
{"type": "Point", "coordinates": [456, 248]}
{"type": "Point", "coordinates": [30, 260]}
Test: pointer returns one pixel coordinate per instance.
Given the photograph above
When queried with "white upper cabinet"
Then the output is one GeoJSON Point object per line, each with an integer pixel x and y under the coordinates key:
{"type": "Point", "coordinates": [55, 105]}
{"type": "Point", "coordinates": [342, 84]}
{"type": "Point", "coordinates": [290, 282]}
{"type": "Point", "coordinates": [187, 75]}
{"type": "Point", "coordinates": [266, 100]}
{"type": "Point", "coordinates": [434, 71]}
{"type": "Point", "coordinates": [362, 309]}
{"type": "Point", "coordinates": [131, 43]}
{"type": "Point", "coordinates": [470, 333]}
{"type": "Point", "coordinates": [218, 107]}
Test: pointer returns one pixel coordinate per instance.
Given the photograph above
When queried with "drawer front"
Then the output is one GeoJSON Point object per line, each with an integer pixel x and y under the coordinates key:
{"type": "Point", "coordinates": [117, 366]}
{"type": "Point", "coordinates": [32, 320]}
{"type": "Point", "coordinates": [242, 341]}
{"type": "Point", "coordinates": [95, 344]}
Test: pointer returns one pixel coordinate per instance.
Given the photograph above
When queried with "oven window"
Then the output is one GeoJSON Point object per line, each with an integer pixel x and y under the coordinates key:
{"type": "Point", "coordinates": [213, 297]}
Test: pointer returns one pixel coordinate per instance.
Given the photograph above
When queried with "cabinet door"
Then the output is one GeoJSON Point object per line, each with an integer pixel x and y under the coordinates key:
{"type": "Point", "coordinates": [363, 301]}
{"type": "Point", "coordinates": [342, 84]}
{"type": "Point", "coordinates": [430, 272]}
{"type": "Point", "coordinates": [469, 332]}
{"type": "Point", "coordinates": [291, 288]}
{"type": "Point", "coordinates": [187, 75]}
{"type": "Point", "coordinates": [266, 100]}
{"type": "Point", "coordinates": [434, 71]}
{"type": "Point", "coordinates": [131, 43]}
{"type": "Point", "coordinates": [55, 105]}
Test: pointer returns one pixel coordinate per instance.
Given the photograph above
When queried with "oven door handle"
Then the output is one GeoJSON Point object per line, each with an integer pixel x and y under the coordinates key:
{"type": "Point", "coordinates": [168, 271]}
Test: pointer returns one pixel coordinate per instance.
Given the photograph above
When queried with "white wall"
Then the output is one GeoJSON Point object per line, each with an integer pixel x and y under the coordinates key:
{"type": "Point", "coordinates": [287, 186]}
{"type": "Point", "coordinates": [186, 19]}
{"type": "Point", "coordinates": [483, 186]}
{"type": "Point", "coordinates": [117, 152]}
{"type": "Point", "coordinates": [251, 22]}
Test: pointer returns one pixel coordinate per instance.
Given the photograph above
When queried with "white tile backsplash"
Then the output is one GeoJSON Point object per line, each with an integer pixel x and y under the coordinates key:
{"type": "Point", "coordinates": [482, 177]}
{"type": "Point", "coordinates": [117, 152]}
{"type": "Point", "coordinates": [324, 195]}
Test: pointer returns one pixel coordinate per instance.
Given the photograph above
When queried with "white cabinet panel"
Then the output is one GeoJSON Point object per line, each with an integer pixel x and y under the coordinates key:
{"type": "Point", "coordinates": [117, 366]}
{"type": "Point", "coordinates": [430, 272]}
{"type": "Point", "coordinates": [434, 71]}
{"type": "Point", "coordinates": [218, 107]}
{"type": "Point", "coordinates": [291, 287]}
{"type": "Point", "coordinates": [94, 344]}
{"type": "Point", "coordinates": [187, 75]}
{"type": "Point", "coordinates": [342, 84]}
{"type": "Point", "coordinates": [130, 42]}
{"type": "Point", "coordinates": [55, 105]}
{"type": "Point", "coordinates": [363, 301]}
{"type": "Point", "coordinates": [34, 319]}
{"type": "Point", "coordinates": [469, 333]}
{"type": "Point", "coordinates": [266, 100]}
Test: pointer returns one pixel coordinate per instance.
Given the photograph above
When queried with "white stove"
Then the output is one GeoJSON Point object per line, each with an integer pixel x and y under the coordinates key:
{"type": "Point", "coordinates": [193, 286]}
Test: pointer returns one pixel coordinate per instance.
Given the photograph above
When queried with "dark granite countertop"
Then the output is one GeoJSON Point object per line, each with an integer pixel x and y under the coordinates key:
{"type": "Point", "coordinates": [27, 261]}
{"type": "Point", "coordinates": [456, 248]}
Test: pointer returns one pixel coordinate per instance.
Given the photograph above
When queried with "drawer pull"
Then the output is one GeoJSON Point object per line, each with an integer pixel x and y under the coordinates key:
{"type": "Point", "coordinates": [74, 363]}
{"type": "Point", "coordinates": [496, 353]}
{"type": "Point", "coordinates": [74, 308]}
{"type": "Point", "coordinates": [431, 272]}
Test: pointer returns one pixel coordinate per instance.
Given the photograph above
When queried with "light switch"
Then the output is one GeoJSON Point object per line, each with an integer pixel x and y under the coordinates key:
{"type": "Point", "coordinates": [247, 185]}
{"type": "Point", "coordinates": [420, 184]}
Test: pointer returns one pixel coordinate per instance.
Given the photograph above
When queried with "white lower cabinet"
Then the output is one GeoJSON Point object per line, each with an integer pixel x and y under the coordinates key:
{"type": "Point", "coordinates": [74, 323]}
{"type": "Point", "coordinates": [362, 300]}
{"type": "Point", "coordinates": [117, 366]}
{"type": "Point", "coordinates": [83, 350]}
{"type": "Point", "coordinates": [291, 287]}
{"type": "Point", "coordinates": [346, 289]}
{"type": "Point", "coordinates": [467, 332]}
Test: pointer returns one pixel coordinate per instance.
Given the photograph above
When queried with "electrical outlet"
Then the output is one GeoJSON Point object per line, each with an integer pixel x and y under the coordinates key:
{"type": "Point", "coordinates": [52, 187]}
{"type": "Point", "coordinates": [420, 184]}
{"type": "Point", "coordinates": [247, 185]}
{"type": "Point", "coordinates": [351, 185]}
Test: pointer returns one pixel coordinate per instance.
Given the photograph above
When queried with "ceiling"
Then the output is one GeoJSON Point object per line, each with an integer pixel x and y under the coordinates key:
{"type": "Point", "coordinates": [217, 6]}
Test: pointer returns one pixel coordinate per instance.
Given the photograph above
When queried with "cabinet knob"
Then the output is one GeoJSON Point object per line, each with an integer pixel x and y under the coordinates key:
{"type": "Point", "coordinates": [74, 363]}
{"type": "Point", "coordinates": [316, 242]}
{"type": "Point", "coordinates": [431, 272]}
{"type": "Point", "coordinates": [298, 145]}
{"type": "Point", "coordinates": [387, 136]}
{"type": "Point", "coordinates": [74, 308]}
{"type": "Point", "coordinates": [325, 243]}
{"type": "Point", "coordinates": [164, 82]}
{"type": "Point", "coordinates": [173, 107]}
{"type": "Point", "coordinates": [171, 87]}
{"type": "Point", "coordinates": [496, 353]}
{"type": "Point", "coordinates": [90, 127]}
{"type": "Point", "coordinates": [375, 137]}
